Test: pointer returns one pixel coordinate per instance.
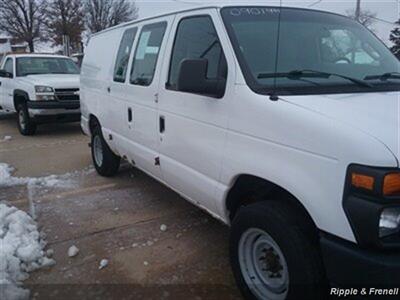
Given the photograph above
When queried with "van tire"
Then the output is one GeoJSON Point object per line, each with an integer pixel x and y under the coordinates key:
{"type": "Point", "coordinates": [301, 253]}
{"type": "Point", "coordinates": [105, 161]}
{"type": "Point", "coordinates": [26, 125]}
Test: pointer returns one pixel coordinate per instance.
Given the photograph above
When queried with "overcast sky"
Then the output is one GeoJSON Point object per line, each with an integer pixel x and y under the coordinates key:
{"type": "Point", "coordinates": [387, 10]}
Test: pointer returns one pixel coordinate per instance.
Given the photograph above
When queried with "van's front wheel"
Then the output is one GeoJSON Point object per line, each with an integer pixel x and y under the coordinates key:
{"type": "Point", "coordinates": [271, 256]}
{"type": "Point", "coordinates": [105, 161]}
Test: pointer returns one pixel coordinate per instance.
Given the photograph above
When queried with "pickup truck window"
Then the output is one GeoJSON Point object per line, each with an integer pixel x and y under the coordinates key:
{"type": "Point", "coordinates": [45, 65]}
{"type": "Point", "coordinates": [196, 37]}
{"type": "Point", "coordinates": [272, 44]}
{"type": "Point", "coordinates": [124, 53]}
{"type": "Point", "coordinates": [146, 55]}
{"type": "Point", "coordinates": [8, 66]}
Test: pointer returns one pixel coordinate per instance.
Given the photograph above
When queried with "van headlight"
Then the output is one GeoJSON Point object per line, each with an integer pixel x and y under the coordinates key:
{"type": "Point", "coordinates": [389, 222]}
{"type": "Point", "coordinates": [44, 93]}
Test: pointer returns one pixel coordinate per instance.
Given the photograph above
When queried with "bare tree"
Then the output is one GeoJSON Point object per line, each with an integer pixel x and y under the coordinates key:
{"type": "Point", "coordinates": [101, 14]}
{"type": "Point", "coordinates": [22, 19]}
{"type": "Point", "coordinates": [365, 17]}
{"type": "Point", "coordinates": [395, 38]}
{"type": "Point", "coordinates": [65, 17]}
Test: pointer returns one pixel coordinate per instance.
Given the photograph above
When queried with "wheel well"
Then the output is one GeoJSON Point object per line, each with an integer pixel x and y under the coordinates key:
{"type": "Point", "coordinates": [93, 122]}
{"type": "Point", "coordinates": [250, 189]}
{"type": "Point", "coordinates": [20, 97]}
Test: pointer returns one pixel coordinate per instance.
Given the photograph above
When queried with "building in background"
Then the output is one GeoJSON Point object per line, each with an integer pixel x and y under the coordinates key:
{"type": "Point", "coordinates": [11, 45]}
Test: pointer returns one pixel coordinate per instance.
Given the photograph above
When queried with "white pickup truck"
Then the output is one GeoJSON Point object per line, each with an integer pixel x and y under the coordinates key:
{"type": "Point", "coordinates": [40, 88]}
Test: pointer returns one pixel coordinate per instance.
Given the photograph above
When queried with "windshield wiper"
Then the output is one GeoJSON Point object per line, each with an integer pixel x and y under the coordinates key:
{"type": "Point", "coordinates": [297, 74]}
{"type": "Point", "coordinates": [384, 77]}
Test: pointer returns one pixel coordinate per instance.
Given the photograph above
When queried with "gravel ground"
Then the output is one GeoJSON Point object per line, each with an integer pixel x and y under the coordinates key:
{"type": "Point", "coordinates": [117, 219]}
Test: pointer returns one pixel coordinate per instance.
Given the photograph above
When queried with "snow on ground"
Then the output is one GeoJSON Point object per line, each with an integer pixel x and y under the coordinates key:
{"type": "Point", "coordinates": [21, 252]}
{"type": "Point", "coordinates": [6, 138]}
{"type": "Point", "coordinates": [6, 179]}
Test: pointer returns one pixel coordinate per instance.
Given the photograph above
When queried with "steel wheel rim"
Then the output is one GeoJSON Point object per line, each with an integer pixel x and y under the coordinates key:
{"type": "Point", "coordinates": [98, 151]}
{"type": "Point", "coordinates": [263, 265]}
{"type": "Point", "coordinates": [21, 119]}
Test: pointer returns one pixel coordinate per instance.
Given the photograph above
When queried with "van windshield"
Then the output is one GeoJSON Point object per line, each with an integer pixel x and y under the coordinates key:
{"type": "Point", "coordinates": [45, 65]}
{"type": "Point", "coordinates": [298, 52]}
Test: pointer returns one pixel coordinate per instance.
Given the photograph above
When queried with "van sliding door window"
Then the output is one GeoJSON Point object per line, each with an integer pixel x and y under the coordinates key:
{"type": "Point", "coordinates": [146, 55]}
{"type": "Point", "coordinates": [196, 37]}
{"type": "Point", "coordinates": [124, 51]}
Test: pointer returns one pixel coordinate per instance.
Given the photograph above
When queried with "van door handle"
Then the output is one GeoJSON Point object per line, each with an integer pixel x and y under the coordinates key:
{"type": "Point", "coordinates": [162, 124]}
{"type": "Point", "coordinates": [130, 115]}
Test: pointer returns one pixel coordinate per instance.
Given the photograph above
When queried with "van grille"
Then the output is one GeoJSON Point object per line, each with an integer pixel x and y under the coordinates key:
{"type": "Point", "coordinates": [67, 94]}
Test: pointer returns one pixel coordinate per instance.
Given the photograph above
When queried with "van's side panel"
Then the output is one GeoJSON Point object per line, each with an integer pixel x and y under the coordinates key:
{"type": "Point", "coordinates": [195, 130]}
{"type": "Point", "coordinates": [299, 150]}
{"type": "Point", "coordinates": [141, 134]}
{"type": "Point", "coordinates": [96, 75]}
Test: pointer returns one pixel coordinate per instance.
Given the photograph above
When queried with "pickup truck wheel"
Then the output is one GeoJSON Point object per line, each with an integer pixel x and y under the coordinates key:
{"type": "Point", "coordinates": [104, 160]}
{"type": "Point", "coordinates": [25, 124]}
{"type": "Point", "coordinates": [272, 257]}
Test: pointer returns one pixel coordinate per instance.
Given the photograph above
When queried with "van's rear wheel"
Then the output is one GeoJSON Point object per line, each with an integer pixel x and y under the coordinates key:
{"type": "Point", "coordinates": [104, 160]}
{"type": "Point", "coordinates": [26, 125]}
{"type": "Point", "coordinates": [272, 257]}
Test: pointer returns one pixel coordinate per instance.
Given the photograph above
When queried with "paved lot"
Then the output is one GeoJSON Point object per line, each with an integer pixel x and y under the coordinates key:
{"type": "Point", "coordinates": [117, 219]}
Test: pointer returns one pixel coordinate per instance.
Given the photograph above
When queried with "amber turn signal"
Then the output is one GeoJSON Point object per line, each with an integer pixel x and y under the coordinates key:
{"type": "Point", "coordinates": [391, 184]}
{"type": "Point", "coordinates": [362, 181]}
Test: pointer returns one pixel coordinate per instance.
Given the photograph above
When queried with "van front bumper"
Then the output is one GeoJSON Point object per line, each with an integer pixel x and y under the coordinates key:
{"type": "Point", "coordinates": [348, 265]}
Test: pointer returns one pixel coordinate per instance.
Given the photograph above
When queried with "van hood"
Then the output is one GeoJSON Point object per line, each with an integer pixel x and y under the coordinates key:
{"type": "Point", "coordinates": [376, 114]}
{"type": "Point", "coordinates": [53, 80]}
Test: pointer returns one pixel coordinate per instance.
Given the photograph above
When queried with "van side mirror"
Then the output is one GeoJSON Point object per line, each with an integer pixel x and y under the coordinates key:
{"type": "Point", "coordinates": [192, 78]}
{"type": "Point", "coordinates": [5, 74]}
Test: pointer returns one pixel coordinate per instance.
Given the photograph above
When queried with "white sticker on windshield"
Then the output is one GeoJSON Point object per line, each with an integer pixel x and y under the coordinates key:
{"type": "Point", "coordinates": [253, 11]}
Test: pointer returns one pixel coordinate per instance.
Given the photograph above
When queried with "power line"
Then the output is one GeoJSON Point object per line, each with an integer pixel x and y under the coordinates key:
{"type": "Point", "coordinates": [315, 3]}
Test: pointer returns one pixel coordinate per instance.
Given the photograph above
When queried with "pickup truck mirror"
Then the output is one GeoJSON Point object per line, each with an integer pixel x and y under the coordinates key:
{"type": "Point", "coordinates": [192, 78]}
{"type": "Point", "coordinates": [5, 74]}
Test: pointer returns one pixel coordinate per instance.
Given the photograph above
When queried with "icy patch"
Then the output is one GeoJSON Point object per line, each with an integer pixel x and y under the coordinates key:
{"type": "Point", "coordinates": [6, 179]}
{"type": "Point", "coordinates": [21, 252]}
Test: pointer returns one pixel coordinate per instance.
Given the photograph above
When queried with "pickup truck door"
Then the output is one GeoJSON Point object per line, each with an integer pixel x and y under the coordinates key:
{"type": "Point", "coordinates": [6, 93]}
{"type": "Point", "coordinates": [192, 127]}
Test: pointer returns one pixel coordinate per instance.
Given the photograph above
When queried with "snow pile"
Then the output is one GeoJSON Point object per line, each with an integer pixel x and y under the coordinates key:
{"type": "Point", "coordinates": [6, 179]}
{"type": "Point", "coordinates": [21, 251]}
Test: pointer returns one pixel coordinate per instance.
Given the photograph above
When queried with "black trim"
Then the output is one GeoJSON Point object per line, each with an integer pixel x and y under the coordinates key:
{"type": "Point", "coordinates": [53, 105]}
{"type": "Point", "coordinates": [348, 265]}
{"type": "Point", "coordinates": [363, 208]}
{"type": "Point", "coordinates": [58, 118]}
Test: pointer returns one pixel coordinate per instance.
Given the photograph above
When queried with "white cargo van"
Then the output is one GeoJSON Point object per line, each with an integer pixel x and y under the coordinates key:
{"type": "Point", "coordinates": [281, 122]}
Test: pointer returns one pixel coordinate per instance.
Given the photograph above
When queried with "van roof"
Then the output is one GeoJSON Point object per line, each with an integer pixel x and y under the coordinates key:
{"type": "Point", "coordinates": [216, 5]}
{"type": "Point", "coordinates": [35, 55]}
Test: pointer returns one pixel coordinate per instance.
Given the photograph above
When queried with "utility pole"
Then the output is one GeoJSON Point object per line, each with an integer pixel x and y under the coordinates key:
{"type": "Point", "coordinates": [358, 10]}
